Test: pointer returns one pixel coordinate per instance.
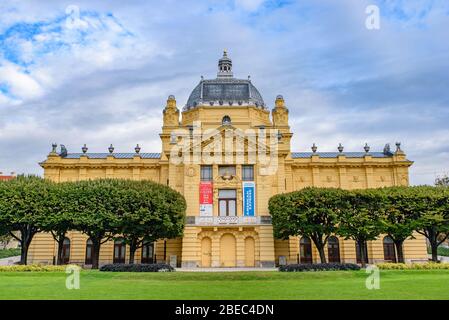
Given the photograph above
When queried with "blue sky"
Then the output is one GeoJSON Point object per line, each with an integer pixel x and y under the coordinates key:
{"type": "Point", "coordinates": [104, 78]}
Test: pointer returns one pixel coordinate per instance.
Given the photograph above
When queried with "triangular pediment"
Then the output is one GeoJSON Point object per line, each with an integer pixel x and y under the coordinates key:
{"type": "Point", "coordinates": [242, 140]}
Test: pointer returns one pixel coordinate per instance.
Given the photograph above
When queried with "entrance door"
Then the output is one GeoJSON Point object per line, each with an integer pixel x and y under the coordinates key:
{"type": "Point", "coordinates": [333, 250]}
{"type": "Point", "coordinates": [305, 246]}
{"type": "Point", "coordinates": [66, 251]}
{"type": "Point", "coordinates": [249, 252]}
{"type": "Point", "coordinates": [89, 246]}
{"type": "Point", "coordinates": [147, 252]}
{"type": "Point", "coordinates": [119, 251]}
{"type": "Point", "coordinates": [389, 251]}
{"type": "Point", "coordinates": [358, 252]}
{"type": "Point", "coordinates": [206, 252]}
{"type": "Point", "coordinates": [227, 251]}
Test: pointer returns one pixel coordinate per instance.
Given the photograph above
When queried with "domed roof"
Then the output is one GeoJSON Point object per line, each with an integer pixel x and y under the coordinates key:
{"type": "Point", "coordinates": [225, 90]}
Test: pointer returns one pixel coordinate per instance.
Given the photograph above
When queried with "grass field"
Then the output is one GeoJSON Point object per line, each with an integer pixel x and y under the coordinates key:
{"type": "Point", "coordinates": [394, 284]}
{"type": "Point", "coordinates": [5, 253]}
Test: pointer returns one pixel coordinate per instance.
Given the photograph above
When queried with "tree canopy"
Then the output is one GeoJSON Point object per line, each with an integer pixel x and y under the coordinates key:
{"type": "Point", "coordinates": [25, 203]}
{"type": "Point", "coordinates": [362, 215]}
{"type": "Point", "coordinates": [313, 212]}
{"type": "Point", "coordinates": [135, 210]}
{"type": "Point", "coordinates": [102, 209]}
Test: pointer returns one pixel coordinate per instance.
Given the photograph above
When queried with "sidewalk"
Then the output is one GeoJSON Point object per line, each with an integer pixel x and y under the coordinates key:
{"type": "Point", "coordinates": [441, 258]}
{"type": "Point", "coordinates": [9, 261]}
{"type": "Point", "coordinates": [224, 269]}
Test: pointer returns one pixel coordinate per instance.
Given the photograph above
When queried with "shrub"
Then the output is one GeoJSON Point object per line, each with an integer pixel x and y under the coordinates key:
{"type": "Point", "coordinates": [32, 268]}
{"type": "Point", "coordinates": [319, 267]}
{"type": "Point", "coordinates": [442, 251]}
{"type": "Point", "coordinates": [6, 253]}
{"type": "Point", "coordinates": [413, 266]}
{"type": "Point", "coordinates": [121, 267]}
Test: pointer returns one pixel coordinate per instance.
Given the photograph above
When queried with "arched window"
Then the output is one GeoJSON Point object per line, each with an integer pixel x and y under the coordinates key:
{"type": "Point", "coordinates": [226, 120]}
{"type": "Point", "coordinates": [89, 245]}
{"type": "Point", "coordinates": [305, 249]}
{"type": "Point", "coordinates": [389, 251]}
{"type": "Point", "coordinates": [333, 249]}
{"type": "Point", "coordinates": [147, 252]}
{"type": "Point", "coordinates": [357, 252]}
{"type": "Point", "coordinates": [119, 251]}
{"type": "Point", "coordinates": [66, 251]}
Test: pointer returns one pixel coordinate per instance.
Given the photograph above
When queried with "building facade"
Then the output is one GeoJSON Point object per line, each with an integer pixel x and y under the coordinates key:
{"type": "Point", "coordinates": [228, 153]}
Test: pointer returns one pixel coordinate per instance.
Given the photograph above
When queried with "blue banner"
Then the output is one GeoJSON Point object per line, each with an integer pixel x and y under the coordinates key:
{"type": "Point", "coordinates": [249, 199]}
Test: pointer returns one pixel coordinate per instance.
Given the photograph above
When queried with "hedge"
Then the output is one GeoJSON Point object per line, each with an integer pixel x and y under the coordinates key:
{"type": "Point", "coordinates": [319, 267]}
{"type": "Point", "coordinates": [442, 251]}
{"type": "Point", "coordinates": [121, 267]}
{"type": "Point", "coordinates": [6, 253]}
{"type": "Point", "coordinates": [32, 268]}
{"type": "Point", "coordinates": [413, 266]}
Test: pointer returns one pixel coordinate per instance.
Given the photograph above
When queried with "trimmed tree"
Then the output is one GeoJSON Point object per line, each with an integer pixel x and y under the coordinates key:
{"type": "Point", "coordinates": [442, 181]}
{"type": "Point", "coordinates": [96, 205]}
{"type": "Point", "coordinates": [24, 204]}
{"type": "Point", "coordinates": [151, 211]}
{"type": "Point", "coordinates": [137, 211]}
{"type": "Point", "coordinates": [398, 218]}
{"type": "Point", "coordinates": [430, 205]}
{"type": "Point", "coordinates": [60, 220]}
{"type": "Point", "coordinates": [310, 212]}
{"type": "Point", "coordinates": [360, 218]}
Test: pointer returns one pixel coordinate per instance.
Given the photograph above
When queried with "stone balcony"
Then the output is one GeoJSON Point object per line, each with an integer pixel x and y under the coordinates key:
{"type": "Point", "coordinates": [228, 220]}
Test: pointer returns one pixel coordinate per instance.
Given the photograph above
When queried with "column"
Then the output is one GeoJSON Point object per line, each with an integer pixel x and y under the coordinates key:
{"type": "Point", "coordinates": [266, 239]}
{"type": "Point", "coordinates": [240, 250]}
{"type": "Point", "coordinates": [190, 248]}
{"type": "Point", "coordinates": [369, 177]}
{"type": "Point", "coordinates": [343, 178]}
{"type": "Point", "coordinates": [215, 261]}
{"type": "Point", "coordinates": [316, 177]}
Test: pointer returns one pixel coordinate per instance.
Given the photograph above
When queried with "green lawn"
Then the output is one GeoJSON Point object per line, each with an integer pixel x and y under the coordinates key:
{"type": "Point", "coordinates": [442, 251]}
{"type": "Point", "coordinates": [5, 253]}
{"type": "Point", "coordinates": [395, 284]}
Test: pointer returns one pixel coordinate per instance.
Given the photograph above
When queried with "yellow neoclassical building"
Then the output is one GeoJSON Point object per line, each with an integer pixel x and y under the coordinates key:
{"type": "Point", "coordinates": [228, 153]}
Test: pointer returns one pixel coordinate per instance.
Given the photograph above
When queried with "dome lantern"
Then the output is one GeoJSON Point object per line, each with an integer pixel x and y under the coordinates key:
{"type": "Point", "coordinates": [225, 66]}
{"type": "Point", "coordinates": [224, 90]}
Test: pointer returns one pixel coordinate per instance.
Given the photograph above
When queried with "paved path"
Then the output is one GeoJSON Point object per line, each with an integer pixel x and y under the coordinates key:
{"type": "Point", "coordinates": [224, 269]}
{"type": "Point", "coordinates": [9, 261]}
{"type": "Point", "coordinates": [441, 258]}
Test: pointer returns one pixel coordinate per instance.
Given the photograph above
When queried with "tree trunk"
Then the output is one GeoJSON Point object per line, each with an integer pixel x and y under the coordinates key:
{"type": "Point", "coordinates": [133, 246]}
{"type": "Point", "coordinates": [60, 248]}
{"type": "Point", "coordinates": [400, 251]}
{"type": "Point", "coordinates": [320, 245]}
{"type": "Point", "coordinates": [432, 236]}
{"type": "Point", "coordinates": [23, 253]}
{"type": "Point", "coordinates": [322, 254]}
{"type": "Point", "coordinates": [59, 238]}
{"type": "Point", "coordinates": [434, 247]}
{"type": "Point", "coordinates": [27, 235]}
{"type": "Point", "coordinates": [132, 252]}
{"type": "Point", "coordinates": [362, 252]}
{"type": "Point", "coordinates": [96, 244]}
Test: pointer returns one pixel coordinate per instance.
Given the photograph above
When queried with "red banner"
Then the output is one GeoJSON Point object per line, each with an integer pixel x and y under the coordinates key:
{"type": "Point", "coordinates": [206, 193]}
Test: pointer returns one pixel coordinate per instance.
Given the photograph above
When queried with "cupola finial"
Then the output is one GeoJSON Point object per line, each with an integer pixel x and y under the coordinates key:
{"type": "Point", "coordinates": [225, 66]}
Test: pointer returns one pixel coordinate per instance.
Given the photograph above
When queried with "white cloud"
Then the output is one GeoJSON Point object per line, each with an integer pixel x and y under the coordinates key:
{"type": "Point", "coordinates": [107, 82]}
{"type": "Point", "coordinates": [20, 84]}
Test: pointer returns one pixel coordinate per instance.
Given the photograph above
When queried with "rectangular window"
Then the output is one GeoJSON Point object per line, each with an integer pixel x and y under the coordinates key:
{"type": "Point", "coordinates": [227, 200]}
{"type": "Point", "coordinates": [226, 170]}
{"type": "Point", "coordinates": [206, 173]}
{"type": "Point", "coordinates": [248, 173]}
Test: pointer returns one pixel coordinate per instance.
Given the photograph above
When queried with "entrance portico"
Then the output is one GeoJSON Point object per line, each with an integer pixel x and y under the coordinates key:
{"type": "Point", "coordinates": [227, 247]}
